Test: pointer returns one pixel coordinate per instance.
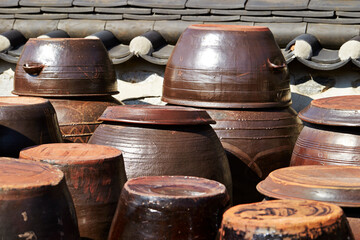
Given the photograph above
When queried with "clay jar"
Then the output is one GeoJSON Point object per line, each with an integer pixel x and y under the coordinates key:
{"type": "Point", "coordinates": [257, 141]}
{"type": "Point", "coordinates": [94, 174]}
{"type": "Point", "coordinates": [285, 219]}
{"type": "Point", "coordinates": [169, 207]}
{"type": "Point", "coordinates": [64, 67]}
{"type": "Point", "coordinates": [26, 121]}
{"type": "Point", "coordinates": [335, 184]}
{"type": "Point", "coordinates": [78, 117]}
{"type": "Point", "coordinates": [331, 133]}
{"type": "Point", "coordinates": [227, 66]}
{"type": "Point", "coordinates": [164, 140]}
{"type": "Point", "coordinates": [35, 202]}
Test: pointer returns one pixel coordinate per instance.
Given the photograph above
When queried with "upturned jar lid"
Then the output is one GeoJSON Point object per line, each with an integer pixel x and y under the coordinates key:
{"type": "Point", "coordinates": [336, 184]}
{"type": "Point", "coordinates": [334, 111]}
{"type": "Point", "coordinates": [158, 115]}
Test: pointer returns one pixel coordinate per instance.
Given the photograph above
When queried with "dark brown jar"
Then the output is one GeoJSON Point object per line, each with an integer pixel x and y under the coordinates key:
{"type": "Point", "coordinates": [78, 117]}
{"type": "Point", "coordinates": [95, 175]}
{"type": "Point", "coordinates": [24, 122]}
{"type": "Point", "coordinates": [35, 202]}
{"type": "Point", "coordinates": [227, 66]}
{"type": "Point", "coordinates": [256, 141]}
{"type": "Point", "coordinates": [335, 184]}
{"type": "Point", "coordinates": [64, 67]}
{"type": "Point", "coordinates": [285, 219]}
{"type": "Point", "coordinates": [169, 208]}
{"type": "Point", "coordinates": [164, 140]}
{"type": "Point", "coordinates": [331, 135]}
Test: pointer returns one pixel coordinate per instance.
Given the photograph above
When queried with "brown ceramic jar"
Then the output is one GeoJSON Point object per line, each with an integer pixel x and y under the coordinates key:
{"type": "Point", "coordinates": [78, 117]}
{"type": "Point", "coordinates": [95, 175]}
{"type": "Point", "coordinates": [331, 133]}
{"type": "Point", "coordinates": [164, 140]}
{"type": "Point", "coordinates": [169, 208]}
{"type": "Point", "coordinates": [26, 121]}
{"type": "Point", "coordinates": [285, 219]}
{"type": "Point", "coordinates": [64, 67]}
{"type": "Point", "coordinates": [35, 202]}
{"type": "Point", "coordinates": [256, 141]}
{"type": "Point", "coordinates": [227, 66]}
{"type": "Point", "coordinates": [339, 185]}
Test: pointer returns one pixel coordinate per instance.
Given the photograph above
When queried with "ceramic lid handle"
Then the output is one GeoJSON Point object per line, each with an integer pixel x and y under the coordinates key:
{"type": "Point", "coordinates": [275, 66]}
{"type": "Point", "coordinates": [33, 68]}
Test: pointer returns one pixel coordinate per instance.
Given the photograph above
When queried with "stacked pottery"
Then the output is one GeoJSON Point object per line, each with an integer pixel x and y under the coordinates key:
{"type": "Point", "coordinates": [164, 140]}
{"type": "Point", "coordinates": [95, 176]}
{"type": "Point", "coordinates": [68, 71]}
{"type": "Point", "coordinates": [339, 185]}
{"type": "Point", "coordinates": [240, 76]}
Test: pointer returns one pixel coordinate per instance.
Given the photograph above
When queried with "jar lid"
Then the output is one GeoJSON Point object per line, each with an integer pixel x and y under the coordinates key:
{"type": "Point", "coordinates": [336, 184]}
{"type": "Point", "coordinates": [334, 111]}
{"type": "Point", "coordinates": [158, 115]}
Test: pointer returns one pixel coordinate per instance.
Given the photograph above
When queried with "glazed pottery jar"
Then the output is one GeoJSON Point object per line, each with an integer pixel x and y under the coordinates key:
{"type": "Point", "coordinates": [164, 140]}
{"type": "Point", "coordinates": [94, 174]}
{"type": "Point", "coordinates": [78, 117]}
{"type": "Point", "coordinates": [169, 207]}
{"type": "Point", "coordinates": [256, 141]}
{"type": "Point", "coordinates": [285, 219]}
{"type": "Point", "coordinates": [339, 185]}
{"type": "Point", "coordinates": [331, 133]}
{"type": "Point", "coordinates": [24, 122]}
{"type": "Point", "coordinates": [227, 66]}
{"type": "Point", "coordinates": [64, 67]}
{"type": "Point", "coordinates": [35, 202]}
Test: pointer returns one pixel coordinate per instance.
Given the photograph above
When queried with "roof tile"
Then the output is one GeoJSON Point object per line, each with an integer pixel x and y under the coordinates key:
{"type": "Point", "coordinates": [35, 28]}
{"type": "Point", "coordinates": [47, 3]}
{"type": "Point", "coordinates": [6, 24]}
{"type": "Point", "coordinates": [348, 5]}
{"type": "Point", "coordinates": [152, 17]}
{"type": "Point", "coordinates": [333, 21]}
{"type": "Point", "coordinates": [276, 5]}
{"type": "Point", "coordinates": [216, 4]}
{"type": "Point", "coordinates": [68, 10]}
{"type": "Point", "coordinates": [81, 28]}
{"type": "Point", "coordinates": [100, 3]}
{"type": "Point", "coordinates": [126, 30]}
{"type": "Point", "coordinates": [211, 18]}
{"type": "Point", "coordinates": [241, 12]}
{"type": "Point", "coordinates": [7, 16]}
{"type": "Point", "coordinates": [348, 14]}
{"type": "Point", "coordinates": [124, 10]}
{"type": "Point", "coordinates": [186, 11]}
{"type": "Point", "coordinates": [158, 3]}
{"type": "Point", "coordinates": [19, 10]}
{"type": "Point", "coordinates": [272, 19]}
{"type": "Point", "coordinates": [171, 30]}
{"type": "Point", "coordinates": [9, 3]}
{"type": "Point", "coordinates": [97, 16]}
{"type": "Point", "coordinates": [315, 14]}
{"type": "Point", "coordinates": [42, 16]}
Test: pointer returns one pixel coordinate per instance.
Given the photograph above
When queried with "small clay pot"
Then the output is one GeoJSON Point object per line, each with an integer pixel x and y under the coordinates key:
{"type": "Point", "coordinates": [339, 185]}
{"type": "Point", "coordinates": [285, 219]}
{"type": "Point", "coordinates": [35, 202]}
{"type": "Point", "coordinates": [227, 66]}
{"type": "Point", "coordinates": [64, 67]}
{"type": "Point", "coordinates": [24, 122]}
{"type": "Point", "coordinates": [256, 141]}
{"type": "Point", "coordinates": [78, 117]}
{"type": "Point", "coordinates": [169, 207]}
{"type": "Point", "coordinates": [95, 176]}
{"type": "Point", "coordinates": [164, 140]}
{"type": "Point", "coordinates": [331, 133]}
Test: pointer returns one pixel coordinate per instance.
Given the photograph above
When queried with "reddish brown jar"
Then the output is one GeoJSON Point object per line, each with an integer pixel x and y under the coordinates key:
{"type": "Point", "coordinates": [339, 185]}
{"type": "Point", "coordinates": [285, 219]}
{"type": "Point", "coordinates": [78, 117]}
{"type": "Point", "coordinates": [35, 202]}
{"type": "Point", "coordinates": [257, 141]}
{"type": "Point", "coordinates": [95, 175]}
{"type": "Point", "coordinates": [164, 140]}
{"type": "Point", "coordinates": [331, 133]}
{"type": "Point", "coordinates": [64, 67]}
{"type": "Point", "coordinates": [169, 207]}
{"type": "Point", "coordinates": [227, 66]}
{"type": "Point", "coordinates": [24, 122]}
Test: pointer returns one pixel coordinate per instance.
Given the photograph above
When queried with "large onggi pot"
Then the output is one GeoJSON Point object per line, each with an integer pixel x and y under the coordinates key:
{"type": "Point", "coordinates": [164, 140]}
{"type": "Point", "coordinates": [227, 66]}
{"type": "Point", "coordinates": [256, 141]}
{"type": "Point", "coordinates": [64, 67]}
{"type": "Point", "coordinates": [331, 135]}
